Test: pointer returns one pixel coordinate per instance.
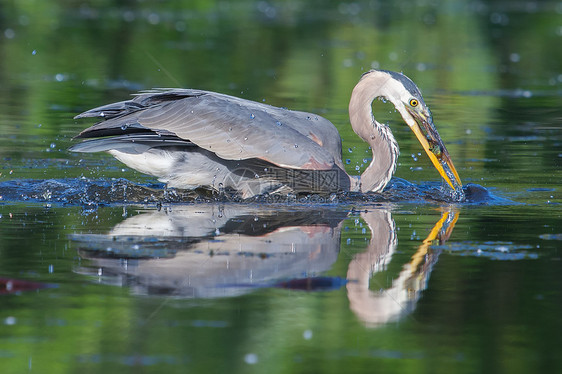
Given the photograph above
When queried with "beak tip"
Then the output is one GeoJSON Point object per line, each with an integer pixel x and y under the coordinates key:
{"type": "Point", "coordinates": [436, 150]}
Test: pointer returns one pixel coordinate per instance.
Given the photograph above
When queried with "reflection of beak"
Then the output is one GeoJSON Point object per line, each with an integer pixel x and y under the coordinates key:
{"type": "Point", "coordinates": [433, 145]}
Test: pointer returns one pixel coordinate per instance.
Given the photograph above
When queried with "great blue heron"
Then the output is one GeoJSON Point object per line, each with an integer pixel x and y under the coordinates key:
{"type": "Point", "coordinates": [191, 138]}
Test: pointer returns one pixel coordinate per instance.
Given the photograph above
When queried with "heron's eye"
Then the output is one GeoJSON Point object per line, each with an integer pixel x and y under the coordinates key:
{"type": "Point", "coordinates": [414, 103]}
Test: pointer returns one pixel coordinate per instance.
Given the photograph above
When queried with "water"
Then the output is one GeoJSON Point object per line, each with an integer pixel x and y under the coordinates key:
{"type": "Point", "coordinates": [103, 269]}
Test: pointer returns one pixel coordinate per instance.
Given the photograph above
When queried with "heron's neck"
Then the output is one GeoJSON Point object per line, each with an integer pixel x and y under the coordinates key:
{"type": "Point", "coordinates": [383, 145]}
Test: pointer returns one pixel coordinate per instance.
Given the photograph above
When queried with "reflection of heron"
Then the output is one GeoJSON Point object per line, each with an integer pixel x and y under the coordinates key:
{"type": "Point", "coordinates": [191, 138]}
{"type": "Point", "coordinates": [375, 307]}
{"type": "Point", "coordinates": [207, 251]}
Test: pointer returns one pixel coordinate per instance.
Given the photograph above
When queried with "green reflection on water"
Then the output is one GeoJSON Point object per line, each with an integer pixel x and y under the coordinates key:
{"type": "Point", "coordinates": [474, 314]}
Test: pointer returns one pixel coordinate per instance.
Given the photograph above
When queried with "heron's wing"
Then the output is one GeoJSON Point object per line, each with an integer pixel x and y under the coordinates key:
{"type": "Point", "coordinates": [232, 128]}
{"type": "Point", "coordinates": [135, 143]}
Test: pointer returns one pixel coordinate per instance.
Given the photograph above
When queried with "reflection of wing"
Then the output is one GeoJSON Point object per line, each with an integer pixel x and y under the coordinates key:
{"type": "Point", "coordinates": [230, 127]}
{"type": "Point", "coordinates": [206, 251]}
{"type": "Point", "coordinates": [197, 221]}
{"type": "Point", "coordinates": [378, 307]}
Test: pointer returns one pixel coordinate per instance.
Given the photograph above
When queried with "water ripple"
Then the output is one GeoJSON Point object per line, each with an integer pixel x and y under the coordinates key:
{"type": "Point", "coordinates": [92, 193]}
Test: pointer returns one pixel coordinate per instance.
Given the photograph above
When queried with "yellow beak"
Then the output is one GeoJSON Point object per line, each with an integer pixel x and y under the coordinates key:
{"type": "Point", "coordinates": [435, 149]}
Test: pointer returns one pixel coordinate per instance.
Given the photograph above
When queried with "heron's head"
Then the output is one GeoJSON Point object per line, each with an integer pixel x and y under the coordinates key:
{"type": "Point", "coordinates": [407, 98]}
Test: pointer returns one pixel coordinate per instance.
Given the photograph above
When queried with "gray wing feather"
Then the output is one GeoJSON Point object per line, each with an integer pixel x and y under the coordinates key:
{"type": "Point", "coordinates": [130, 143]}
{"type": "Point", "coordinates": [232, 128]}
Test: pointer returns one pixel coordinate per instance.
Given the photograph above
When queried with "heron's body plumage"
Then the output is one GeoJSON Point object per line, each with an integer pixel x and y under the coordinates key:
{"type": "Point", "coordinates": [192, 138]}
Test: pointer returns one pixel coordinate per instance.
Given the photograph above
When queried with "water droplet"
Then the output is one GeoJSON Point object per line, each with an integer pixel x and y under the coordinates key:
{"type": "Point", "coordinates": [34, 52]}
{"type": "Point", "coordinates": [252, 116]}
{"type": "Point", "coordinates": [9, 33]}
{"type": "Point", "coordinates": [153, 18]}
{"type": "Point", "coordinates": [124, 127]}
{"type": "Point", "coordinates": [348, 161]}
{"type": "Point", "coordinates": [251, 358]}
{"type": "Point", "coordinates": [350, 150]}
{"type": "Point", "coordinates": [230, 129]}
{"type": "Point", "coordinates": [296, 145]}
{"type": "Point", "coordinates": [245, 138]}
{"type": "Point", "coordinates": [53, 145]}
{"type": "Point", "coordinates": [228, 140]}
{"type": "Point", "coordinates": [357, 168]}
{"type": "Point", "coordinates": [278, 123]}
{"type": "Point", "coordinates": [514, 57]}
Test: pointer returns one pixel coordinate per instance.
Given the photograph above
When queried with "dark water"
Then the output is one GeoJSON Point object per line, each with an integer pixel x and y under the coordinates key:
{"type": "Point", "coordinates": [104, 269]}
